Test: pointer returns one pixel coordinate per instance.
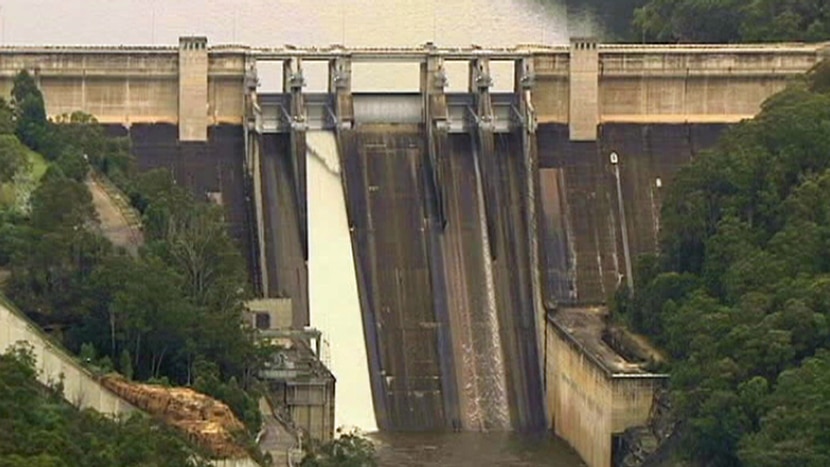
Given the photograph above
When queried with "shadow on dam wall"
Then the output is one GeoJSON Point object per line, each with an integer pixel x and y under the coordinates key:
{"type": "Point", "coordinates": [205, 168]}
{"type": "Point", "coordinates": [434, 360]}
{"type": "Point", "coordinates": [285, 261]}
{"type": "Point", "coordinates": [582, 256]}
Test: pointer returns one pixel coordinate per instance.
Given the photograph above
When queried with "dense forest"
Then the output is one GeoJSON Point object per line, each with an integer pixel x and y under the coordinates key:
{"type": "Point", "coordinates": [711, 20]}
{"type": "Point", "coordinates": [740, 292]}
{"type": "Point", "coordinates": [171, 314]}
{"type": "Point", "coordinates": [41, 430]}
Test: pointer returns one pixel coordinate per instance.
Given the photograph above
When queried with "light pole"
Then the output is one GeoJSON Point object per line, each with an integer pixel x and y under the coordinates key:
{"type": "Point", "coordinates": [629, 279]}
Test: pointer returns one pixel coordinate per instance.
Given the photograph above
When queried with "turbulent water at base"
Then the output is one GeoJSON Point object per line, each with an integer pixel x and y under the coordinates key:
{"type": "Point", "coordinates": [333, 295]}
{"type": "Point", "coordinates": [375, 23]}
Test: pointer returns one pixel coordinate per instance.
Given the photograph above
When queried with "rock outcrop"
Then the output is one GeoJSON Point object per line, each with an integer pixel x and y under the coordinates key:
{"type": "Point", "coordinates": [206, 421]}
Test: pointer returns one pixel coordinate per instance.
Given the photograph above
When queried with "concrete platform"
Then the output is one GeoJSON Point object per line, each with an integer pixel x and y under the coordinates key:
{"type": "Point", "coordinates": [592, 391]}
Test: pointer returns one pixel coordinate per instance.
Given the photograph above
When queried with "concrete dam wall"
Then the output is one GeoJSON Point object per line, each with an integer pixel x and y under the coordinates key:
{"type": "Point", "coordinates": [583, 257]}
{"type": "Point", "coordinates": [286, 255]}
{"type": "Point", "coordinates": [467, 211]}
{"type": "Point", "coordinates": [213, 170]}
{"type": "Point", "coordinates": [453, 345]}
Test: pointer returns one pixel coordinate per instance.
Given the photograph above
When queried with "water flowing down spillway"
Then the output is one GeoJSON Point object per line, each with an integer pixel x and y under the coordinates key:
{"type": "Point", "coordinates": [333, 295]}
{"type": "Point", "coordinates": [486, 340]}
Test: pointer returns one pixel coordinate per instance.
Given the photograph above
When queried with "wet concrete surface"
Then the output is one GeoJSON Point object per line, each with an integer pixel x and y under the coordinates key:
{"type": "Point", "coordinates": [582, 255]}
{"type": "Point", "coordinates": [479, 362]}
{"type": "Point", "coordinates": [284, 250]}
{"type": "Point", "coordinates": [514, 295]}
{"type": "Point", "coordinates": [386, 204]}
{"type": "Point", "coordinates": [422, 286]}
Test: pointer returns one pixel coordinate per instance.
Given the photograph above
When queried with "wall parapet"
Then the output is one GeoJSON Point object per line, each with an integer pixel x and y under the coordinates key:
{"type": "Point", "coordinates": [582, 87]}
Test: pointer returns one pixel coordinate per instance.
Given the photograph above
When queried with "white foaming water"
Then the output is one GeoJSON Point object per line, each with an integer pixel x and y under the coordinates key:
{"type": "Point", "coordinates": [490, 365]}
{"type": "Point", "coordinates": [333, 295]}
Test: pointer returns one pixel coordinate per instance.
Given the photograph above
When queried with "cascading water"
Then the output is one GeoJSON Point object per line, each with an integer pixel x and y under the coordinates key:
{"type": "Point", "coordinates": [333, 295]}
{"type": "Point", "coordinates": [490, 370]}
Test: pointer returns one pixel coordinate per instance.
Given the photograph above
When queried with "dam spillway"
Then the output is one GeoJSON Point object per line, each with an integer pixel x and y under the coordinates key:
{"type": "Point", "coordinates": [333, 296]}
{"type": "Point", "coordinates": [470, 213]}
{"type": "Point", "coordinates": [453, 329]}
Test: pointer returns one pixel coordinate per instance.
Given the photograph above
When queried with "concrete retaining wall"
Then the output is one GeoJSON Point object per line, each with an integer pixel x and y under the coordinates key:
{"type": "Point", "coordinates": [588, 402]}
{"type": "Point", "coordinates": [580, 399]}
{"type": "Point", "coordinates": [54, 363]}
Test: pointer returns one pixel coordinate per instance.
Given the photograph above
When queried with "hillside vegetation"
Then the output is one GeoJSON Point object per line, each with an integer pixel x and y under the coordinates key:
{"type": "Point", "coordinates": [41, 430]}
{"type": "Point", "coordinates": [713, 20]}
{"type": "Point", "coordinates": [171, 315]}
{"type": "Point", "coordinates": [740, 293]}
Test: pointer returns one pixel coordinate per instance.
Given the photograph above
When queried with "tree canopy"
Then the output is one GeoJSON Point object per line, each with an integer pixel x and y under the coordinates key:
{"type": "Point", "coordinates": [725, 21]}
{"type": "Point", "coordinates": [40, 429]}
{"type": "Point", "coordinates": [174, 312]}
{"type": "Point", "coordinates": [739, 292]}
{"type": "Point", "coordinates": [349, 449]}
{"type": "Point", "coordinates": [13, 158]}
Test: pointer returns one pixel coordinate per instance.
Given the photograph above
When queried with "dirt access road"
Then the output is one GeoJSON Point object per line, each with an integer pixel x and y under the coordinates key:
{"type": "Point", "coordinates": [113, 215]}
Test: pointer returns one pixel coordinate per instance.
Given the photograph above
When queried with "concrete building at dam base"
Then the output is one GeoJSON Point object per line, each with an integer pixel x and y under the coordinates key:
{"type": "Point", "coordinates": [488, 226]}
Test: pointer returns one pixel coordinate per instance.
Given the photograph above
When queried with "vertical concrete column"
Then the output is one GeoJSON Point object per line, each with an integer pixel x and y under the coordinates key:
{"type": "Point", "coordinates": [251, 113]}
{"type": "Point", "coordinates": [293, 82]}
{"type": "Point", "coordinates": [480, 83]}
{"type": "Point", "coordinates": [436, 124]}
{"type": "Point", "coordinates": [524, 79]}
{"type": "Point", "coordinates": [436, 120]}
{"type": "Point", "coordinates": [583, 115]}
{"type": "Point", "coordinates": [340, 88]}
{"type": "Point", "coordinates": [193, 88]}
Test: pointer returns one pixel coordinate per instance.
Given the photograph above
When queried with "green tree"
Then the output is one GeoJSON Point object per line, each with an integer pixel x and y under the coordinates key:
{"type": "Point", "coordinates": [738, 293]}
{"type": "Point", "coordinates": [30, 111]}
{"type": "Point", "coordinates": [7, 123]}
{"type": "Point", "coordinates": [689, 20]}
{"type": "Point", "coordinates": [346, 450]}
{"type": "Point", "coordinates": [42, 430]}
{"type": "Point", "coordinates": [61, 204]}
{"type": "Point", "coordinates": [794, 429]}
{"type": "Point", "coordinates": [733, 20]}
{"type": "Point", "coordinates": [13, 156]}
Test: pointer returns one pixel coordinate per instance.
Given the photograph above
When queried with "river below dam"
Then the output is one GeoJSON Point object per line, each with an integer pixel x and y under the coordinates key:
{"type": "Point", "coordinates": [473, 449]}
{"type": "Point", "coordinates": [375, 23]}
